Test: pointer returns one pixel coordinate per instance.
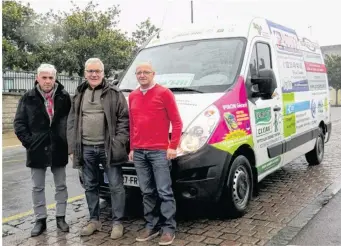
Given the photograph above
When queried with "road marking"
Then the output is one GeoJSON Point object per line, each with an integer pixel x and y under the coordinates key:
{"type": "Point", "coordinates": [30, 212]}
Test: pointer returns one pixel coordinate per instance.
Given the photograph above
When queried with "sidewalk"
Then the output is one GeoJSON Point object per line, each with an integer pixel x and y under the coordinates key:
{"type": "Point", "coordinates": [324, 228]}
{"type": "Point", "coordinates": [10, 139]}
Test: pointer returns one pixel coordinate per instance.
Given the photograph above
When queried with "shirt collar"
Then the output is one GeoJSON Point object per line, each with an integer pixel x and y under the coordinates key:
{"type": "Point", "coordinates": [144, 90]}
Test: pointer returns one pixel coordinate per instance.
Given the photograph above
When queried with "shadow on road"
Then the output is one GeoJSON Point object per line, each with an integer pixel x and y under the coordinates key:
{"type": "Point", "coordinates": [185, 211]}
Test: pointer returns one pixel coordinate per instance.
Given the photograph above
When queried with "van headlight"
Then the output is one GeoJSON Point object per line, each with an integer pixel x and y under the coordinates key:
{"type": "Point", "coordinates": [199, 131]}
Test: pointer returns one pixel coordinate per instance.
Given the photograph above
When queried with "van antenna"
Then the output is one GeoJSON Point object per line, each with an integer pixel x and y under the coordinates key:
{"type": "Point", "coordinates": [163, 18]}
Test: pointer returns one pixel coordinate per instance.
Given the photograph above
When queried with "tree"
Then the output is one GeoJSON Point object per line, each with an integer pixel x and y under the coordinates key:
{"type": "Point", "coordinates": [66, 39]}
{"type": "Point", "coordinates": [333, 64]}
{"type": "Point", "coordinates": [144, 30]}
{"type": "Point", "coordinates": [20, 35]}
{"type": "Point", "coordinates": [85, 33]}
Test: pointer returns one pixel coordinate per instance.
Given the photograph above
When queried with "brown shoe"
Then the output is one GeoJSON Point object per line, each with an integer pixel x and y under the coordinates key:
{"type": "Point", "coordinates": [167, 238]}
{"type": "Point", "coordinates": [147, 234]}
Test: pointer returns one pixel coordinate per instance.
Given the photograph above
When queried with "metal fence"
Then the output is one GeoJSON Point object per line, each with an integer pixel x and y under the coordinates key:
{"type": "Point", "coordinates": [20, 82]}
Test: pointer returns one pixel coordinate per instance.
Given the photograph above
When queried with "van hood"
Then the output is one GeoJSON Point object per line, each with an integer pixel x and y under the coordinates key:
{"type": "Point", "coordinates": [190, 105]}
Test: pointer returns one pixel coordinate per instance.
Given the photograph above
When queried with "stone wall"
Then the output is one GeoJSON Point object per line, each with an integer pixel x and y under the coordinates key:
{"type": "Point", "coordinates": [9, 107]}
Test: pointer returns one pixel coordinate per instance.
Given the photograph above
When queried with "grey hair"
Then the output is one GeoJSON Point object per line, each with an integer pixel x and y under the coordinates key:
{"type": "Point", "coordinates": [94, 60]}
{"type": "Point", "coordinates": [47, 68]}
{"type": "Point", "coordinates": [148, 63]}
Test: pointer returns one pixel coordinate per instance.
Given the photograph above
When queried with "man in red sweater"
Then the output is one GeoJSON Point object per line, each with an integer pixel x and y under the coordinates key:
{"type": "Point", "coordinates": [152, 109]}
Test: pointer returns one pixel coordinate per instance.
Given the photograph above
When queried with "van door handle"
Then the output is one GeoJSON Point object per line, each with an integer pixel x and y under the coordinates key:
{"type": "Point", "coordinates": [276, 108]}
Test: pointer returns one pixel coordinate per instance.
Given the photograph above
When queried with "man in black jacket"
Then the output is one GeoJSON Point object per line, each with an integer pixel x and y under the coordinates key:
{"type": "Point", "coordinates": [40, 124]}
{"type": "Point", "coordinates": [98, 132]}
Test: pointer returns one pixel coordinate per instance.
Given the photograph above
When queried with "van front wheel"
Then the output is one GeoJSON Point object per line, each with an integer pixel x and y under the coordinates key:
{"type": "Point", "coordinates": [315, 156]}
{"type": "Point", "coordinates": [238, 187]}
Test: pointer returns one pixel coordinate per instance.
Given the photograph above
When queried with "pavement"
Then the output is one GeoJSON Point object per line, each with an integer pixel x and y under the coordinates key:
{"type": "Point", "coordinates": [324, 228]}
{"type": "Point", "coordinates": [287, 201]}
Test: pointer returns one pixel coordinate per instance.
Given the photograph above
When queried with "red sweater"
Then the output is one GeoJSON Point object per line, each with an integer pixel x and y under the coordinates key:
{"type": "Point", "coordinates": [150, 117]}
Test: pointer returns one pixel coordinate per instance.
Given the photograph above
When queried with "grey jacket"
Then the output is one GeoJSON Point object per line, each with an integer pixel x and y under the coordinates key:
{"type": "Point", "coordinates": [116, 125]}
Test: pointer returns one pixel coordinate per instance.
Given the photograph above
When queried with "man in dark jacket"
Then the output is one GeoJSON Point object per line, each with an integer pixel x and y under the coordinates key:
{"type": "Point", "coordinates": [98, 131]}
{"type": "Point", "coordinates": [40, 124]}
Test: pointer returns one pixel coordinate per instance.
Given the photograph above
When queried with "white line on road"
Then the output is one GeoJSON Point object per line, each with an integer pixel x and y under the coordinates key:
{"type": "Point", "coordinates": [50, 206]}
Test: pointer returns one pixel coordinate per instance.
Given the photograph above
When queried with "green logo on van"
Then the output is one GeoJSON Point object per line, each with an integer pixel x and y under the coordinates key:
{"type": "Point", "coordinates": [263, 116]}
{"type": "Point", "coordinates": [268, 165]}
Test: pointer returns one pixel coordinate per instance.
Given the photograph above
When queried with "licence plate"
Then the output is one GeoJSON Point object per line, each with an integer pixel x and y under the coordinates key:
{"type": "Point", "coordinates": [129, 180]}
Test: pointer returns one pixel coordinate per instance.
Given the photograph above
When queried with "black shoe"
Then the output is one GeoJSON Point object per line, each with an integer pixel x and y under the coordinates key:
{"type": "Point", "coordinates": [39, 227]}
{"type": "Point", "coordinates": [61, 224]}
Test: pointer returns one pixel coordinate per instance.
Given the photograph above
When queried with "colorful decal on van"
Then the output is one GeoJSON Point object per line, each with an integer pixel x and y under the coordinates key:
{"type": "Point", "coordinates": [234, 128]}
{"type": "Point", "coordinates": [268, 165]}
{"type": "Point", "coordinates": [289, 120]}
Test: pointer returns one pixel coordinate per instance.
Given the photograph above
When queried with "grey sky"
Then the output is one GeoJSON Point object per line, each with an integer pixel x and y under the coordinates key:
{"type": "Point", "coordinates": [322, 16]}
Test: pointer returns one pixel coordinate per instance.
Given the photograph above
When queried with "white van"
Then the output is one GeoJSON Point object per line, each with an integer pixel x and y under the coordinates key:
{"type": "Point", "coordinates": [253, 96]}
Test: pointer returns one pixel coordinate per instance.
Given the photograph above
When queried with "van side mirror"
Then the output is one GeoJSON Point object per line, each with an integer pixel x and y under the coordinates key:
{"type": "Point", "coordinates": [266, 82]}
{"type": "Point", "coordinates": [115, 81]}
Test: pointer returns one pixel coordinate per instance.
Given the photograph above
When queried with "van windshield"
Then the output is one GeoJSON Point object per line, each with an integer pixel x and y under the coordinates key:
{"type": "Point", "coordinates": [204, 66]}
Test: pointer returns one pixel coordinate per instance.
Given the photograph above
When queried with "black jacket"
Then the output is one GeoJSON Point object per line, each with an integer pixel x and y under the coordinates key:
{"type": "Point", "coordinates": [116, 132]}
{"type": "Point", "coordinates": [45, 143]}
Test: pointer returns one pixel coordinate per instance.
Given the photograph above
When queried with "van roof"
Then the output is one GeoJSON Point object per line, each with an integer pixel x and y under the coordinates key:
{"type": "Point", "coordinates": [237, 28]}
{"type": "Point", "coordinates": [233, 27]}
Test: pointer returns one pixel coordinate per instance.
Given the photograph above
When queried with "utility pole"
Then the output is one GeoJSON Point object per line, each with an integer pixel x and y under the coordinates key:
{"type": "Point", "coordinates": [191, 11]}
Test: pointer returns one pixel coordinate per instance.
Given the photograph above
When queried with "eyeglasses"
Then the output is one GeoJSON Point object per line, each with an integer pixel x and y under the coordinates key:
{"type": "Point", "coordinates": [94, 71]}
{"type": "Point", "coordinates": [143, 72]}
{"type": "Point", "coordinates": [50, 77]}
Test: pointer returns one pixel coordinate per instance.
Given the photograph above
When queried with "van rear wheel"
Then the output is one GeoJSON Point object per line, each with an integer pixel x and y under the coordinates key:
{"type": "Point", "coordinates": [238, 188]}
{"type": "Point", "coordinates": [315, 156]}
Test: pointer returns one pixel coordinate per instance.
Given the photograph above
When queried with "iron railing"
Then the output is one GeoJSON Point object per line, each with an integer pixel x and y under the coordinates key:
{"type": "Point", "coordinates": [20, 82]}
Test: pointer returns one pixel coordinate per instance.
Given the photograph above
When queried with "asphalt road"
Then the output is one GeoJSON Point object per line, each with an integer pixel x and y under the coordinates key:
{"type": "Point", "coordinates": [16, 180]}
{"type": "Point", "coordinates": [17, 186]}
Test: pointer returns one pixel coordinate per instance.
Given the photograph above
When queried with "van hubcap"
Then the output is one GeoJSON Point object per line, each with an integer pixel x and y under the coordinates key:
{"type": "Point", "coordinates": [319, 148]}
{"type": "Point", "coordinates": [241, 187]}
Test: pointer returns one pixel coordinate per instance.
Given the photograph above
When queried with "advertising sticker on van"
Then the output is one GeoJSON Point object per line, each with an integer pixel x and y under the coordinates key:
{"type": "Point", "coordinates": [234, 129]}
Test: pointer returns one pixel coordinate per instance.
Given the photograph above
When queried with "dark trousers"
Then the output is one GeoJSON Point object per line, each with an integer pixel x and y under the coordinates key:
{"type": "Point", "coordinates": [93, 155]}
{"type": "Point", "coordinates": [153, 172]}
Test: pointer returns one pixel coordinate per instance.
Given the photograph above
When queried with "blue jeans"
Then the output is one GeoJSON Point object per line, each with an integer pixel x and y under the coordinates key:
{"type": "Point", "coordinates": [153, 173]}
{"type": "Point", "coordinates": [93, 155]}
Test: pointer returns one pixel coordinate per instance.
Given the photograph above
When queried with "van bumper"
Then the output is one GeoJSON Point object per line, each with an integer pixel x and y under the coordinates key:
{"type": "Point", "coordinates": [201, 175]}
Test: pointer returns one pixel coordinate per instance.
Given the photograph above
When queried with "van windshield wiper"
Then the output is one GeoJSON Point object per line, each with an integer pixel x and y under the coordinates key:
{"type": "Point", "coordinates": [184, 89]}
{"type": "Point", "coordinates": [126, 90]}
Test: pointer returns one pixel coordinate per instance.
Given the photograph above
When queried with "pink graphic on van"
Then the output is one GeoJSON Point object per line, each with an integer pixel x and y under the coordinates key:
{"type": "Point", "coordinates": [315, 67]}
{"type": "Point", "coordinates": [234, 128]}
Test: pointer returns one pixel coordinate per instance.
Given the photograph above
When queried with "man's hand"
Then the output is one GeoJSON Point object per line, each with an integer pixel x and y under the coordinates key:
{"type": "Point", "coordinates": [131, 155]}
{"type": "Point", "coordinates": [171, 154]}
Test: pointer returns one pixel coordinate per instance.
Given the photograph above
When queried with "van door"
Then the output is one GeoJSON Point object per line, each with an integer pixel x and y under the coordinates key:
{"type": "Point", "coordinates": [267, 112]}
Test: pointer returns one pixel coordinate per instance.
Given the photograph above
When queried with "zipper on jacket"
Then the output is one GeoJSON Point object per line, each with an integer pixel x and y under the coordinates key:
{"type": "Point", "coordinates": [93, 95]}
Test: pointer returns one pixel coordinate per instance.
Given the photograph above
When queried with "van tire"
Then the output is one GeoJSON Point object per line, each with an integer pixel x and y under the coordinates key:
{"type": "Point", "coordinates": [315, 156]}
{"type": "Point", "coordinates": [238, 188]}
